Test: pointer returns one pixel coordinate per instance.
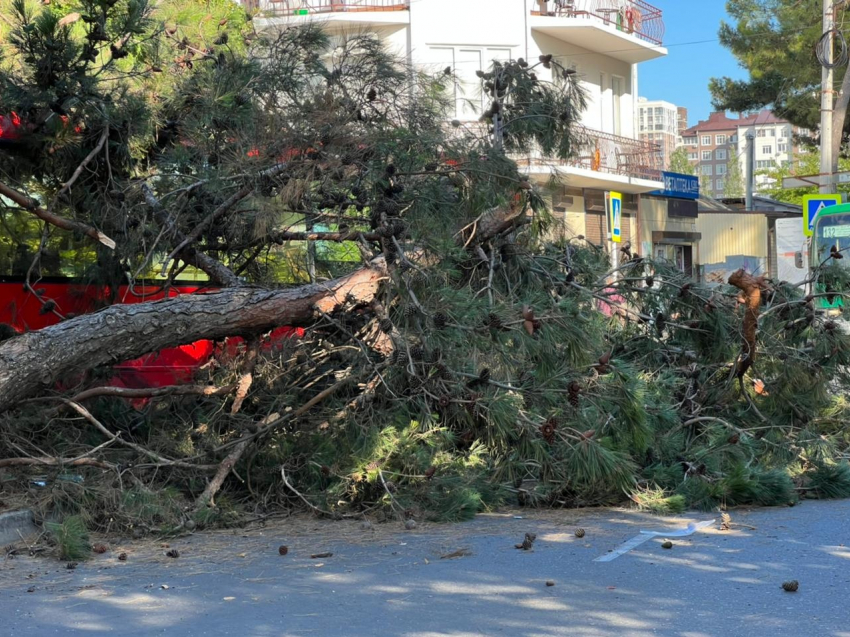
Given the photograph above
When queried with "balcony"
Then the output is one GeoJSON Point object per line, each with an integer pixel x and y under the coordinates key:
{"type": "Point", "coordinates": [606, 162]}
{"type": "Point", "coordinates": [628, 30]}
{"type": "Point", "coordinates": [333, 12]}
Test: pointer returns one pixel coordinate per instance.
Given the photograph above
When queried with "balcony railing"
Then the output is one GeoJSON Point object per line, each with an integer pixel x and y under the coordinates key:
{"type": "Point", "coordinates": [611, 154]}
{"type": "Point", "coordinates": [312, 7]}
{"type": "Point", "coordinates": [630, 16]}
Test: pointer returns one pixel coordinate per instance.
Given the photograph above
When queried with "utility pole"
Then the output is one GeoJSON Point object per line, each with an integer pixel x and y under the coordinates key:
{"type": "Point", "coordinates": [751, 165]}
{"type": "Point", "coordinates": [827, 101]}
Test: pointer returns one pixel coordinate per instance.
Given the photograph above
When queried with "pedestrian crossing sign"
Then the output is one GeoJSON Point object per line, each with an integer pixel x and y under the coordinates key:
{"type": "Point", "coordinates": [615, 217]}
{"type": "Point", "coordinates": [812, 205]}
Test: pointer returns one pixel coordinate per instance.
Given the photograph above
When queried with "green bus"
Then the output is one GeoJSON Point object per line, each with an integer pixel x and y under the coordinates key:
{"type": "Point", "coordinates": [830, 236]}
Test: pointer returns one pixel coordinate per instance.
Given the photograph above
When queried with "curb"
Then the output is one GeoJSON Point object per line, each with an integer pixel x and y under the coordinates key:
{"type": "Point", "coordinates": [15, 524]}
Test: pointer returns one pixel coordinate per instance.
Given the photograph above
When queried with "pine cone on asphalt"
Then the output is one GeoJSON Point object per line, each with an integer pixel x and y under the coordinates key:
{"type": "Point", "coordinates": [579, 533]}
{"type": "Point", "coordinates": [527, 542]}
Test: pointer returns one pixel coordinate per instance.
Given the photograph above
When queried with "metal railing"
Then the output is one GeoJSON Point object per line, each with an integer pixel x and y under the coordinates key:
{"type": "Point", "coordinates": [607, 153]}
{"type": "Point", "coordinates": [636, 17]}
{"type": "Point", "coordinates": [311, 7]}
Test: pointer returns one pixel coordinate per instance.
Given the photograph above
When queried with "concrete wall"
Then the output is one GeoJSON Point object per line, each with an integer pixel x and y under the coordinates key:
{"type": "Point", "coordinates": [654, 218]}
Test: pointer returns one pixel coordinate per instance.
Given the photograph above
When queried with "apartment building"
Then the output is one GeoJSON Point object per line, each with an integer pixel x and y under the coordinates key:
{"type": "Point", "coordinates": [774, 142]}
{"type": "Point", "coordinates": [659, 123]}
{"type": "Point", "coordinates": [711, 144]}
{"type": "Point", "coordinates": [681, 120]}
{"type": "Point", "coordinates": [714, 142]}
{"type": "Point", "coordinates": [603, 41]}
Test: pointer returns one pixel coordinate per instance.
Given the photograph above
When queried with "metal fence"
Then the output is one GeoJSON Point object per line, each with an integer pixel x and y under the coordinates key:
{"type": "Point", "coordinates": [631, 16]}
{"type": "Point", "coordinates": [310, 7]}
{"type": "Point", "coordinates": [607, 153]}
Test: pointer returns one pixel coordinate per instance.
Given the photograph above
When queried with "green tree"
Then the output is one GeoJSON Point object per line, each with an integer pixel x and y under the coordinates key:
{"type": "Point", "coordinates": [679, 162]}
{"type": "Point", "coordinates": [774, 40]}
{"type": "Point", "coordinates": [806, 162]}
{"type": "Point", "coordinates": [733, 186]}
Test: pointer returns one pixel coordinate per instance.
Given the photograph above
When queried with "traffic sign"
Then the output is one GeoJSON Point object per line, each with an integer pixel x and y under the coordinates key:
{"type": "Point", "coordinates": [812, 205]}
{"type": "Point", "coordinates": [615, 216]}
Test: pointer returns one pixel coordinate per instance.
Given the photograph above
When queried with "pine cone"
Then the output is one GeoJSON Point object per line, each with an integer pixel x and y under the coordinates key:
{"type": "Point", "coordinates": [440, 320]}
{"type": "Point", "coordinates": [444, 402]}
{"type": "Point", "coordinates": [386, 326]}
{"type": "Point", "coordinates": [484, 375]}
{"type": "Point", "coordinates": [441, 370]}
{"type": "Point", "coordinates": [410, 310]}
{"type": "Point", "coordinates": [122, 557]}
{"type": "Point", "coordinates": [574, 391]}
{"type": "Point", "coordinates": [791, 586]}
{"type": "Point", "coordinates": [71, 566]}
{"type": "Point", "coordinates": [579, 533]}
{"type": "Point", "coordinates": [430, 472]}
{"type": "Point", "coordinates": [173, 553]}
{"type": "Point", "coordinates": [417, 353]}
{"type": "Point", "coordinates": [282, 549]}
{"type": "Point", "coordinates": [494, 322]}
{"type": "Point", "coordinates": [547, 430]}
{"type": "Point", "coordinates": [667, 544]}
{"type": "Point", "coordinates": [650, 281]}
{"type": "Point", "coordinates": [100, 548]}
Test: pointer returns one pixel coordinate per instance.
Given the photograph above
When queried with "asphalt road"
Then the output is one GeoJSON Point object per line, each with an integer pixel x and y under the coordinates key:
{"type": "Point", "coordinates": [389, 582]}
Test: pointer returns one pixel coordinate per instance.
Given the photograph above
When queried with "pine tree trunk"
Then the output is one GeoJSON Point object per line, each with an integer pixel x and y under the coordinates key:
{"type": "Point", "coordinates": [39, 359]}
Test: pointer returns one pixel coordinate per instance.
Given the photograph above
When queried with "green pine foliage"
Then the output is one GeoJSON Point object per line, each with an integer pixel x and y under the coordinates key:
{"type": "Point", "coordinates": [482, 374]}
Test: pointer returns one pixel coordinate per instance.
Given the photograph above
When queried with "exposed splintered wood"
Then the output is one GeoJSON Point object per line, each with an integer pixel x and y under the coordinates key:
{"type": "Point", "coordinates": [35, 360]}
{"type": "Point", "coordinates": [751, 288]}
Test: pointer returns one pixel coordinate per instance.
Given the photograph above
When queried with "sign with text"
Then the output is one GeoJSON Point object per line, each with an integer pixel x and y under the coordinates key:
{"type": "Point", "coordinates": [615, 216]}
{"type": "Point", "coordinates": [678, 186]}
{"type": "Point", "coordinates": [812, 205]}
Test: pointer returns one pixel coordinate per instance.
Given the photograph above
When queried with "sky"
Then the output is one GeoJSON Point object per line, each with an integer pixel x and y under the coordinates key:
{"type": "Point", "coordinates": [682, 77]}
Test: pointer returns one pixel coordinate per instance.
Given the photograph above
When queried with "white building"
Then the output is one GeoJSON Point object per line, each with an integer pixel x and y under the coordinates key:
{"type": "Point", "coordinates": [774, 142]}
{"type": "Point", "coordinates": [658, 123]}
{"type": "Point", "coordinates": [603, 41]}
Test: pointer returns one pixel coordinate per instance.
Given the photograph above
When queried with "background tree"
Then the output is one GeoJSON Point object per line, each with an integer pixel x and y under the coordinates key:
{"type": "Point", "coordinates": [679, 162]}
{"type": "Point", "coordinates": [775, 41]}
{"type": "Point", "coordinates": [733, 185]}
{"type": "Point", "coordinates": [805, 163]}
{"type": "Point", "coordinates": [450, 357]}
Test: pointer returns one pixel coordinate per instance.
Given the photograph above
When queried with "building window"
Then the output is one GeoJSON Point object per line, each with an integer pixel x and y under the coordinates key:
{"type": "Point", "coordinates": [782, 148]}
{"type": "Point", "coordinates": [690, 141]}
{"type": "Point", "coordinates": [706, 170]}
{"type": "Point", "coordinates": [767, 150]}
{"type": "Point", "coordinates": [693, 156]}
{"type": "Point", "coordinates": [720, 140]}
{"type": "Point", "coordinates": [720, 153]}
{"type": "Point", "coordinates": [761, 133]}
{"type": "Point", "coordinates": [706, 140]}
{"type": "Point", "coordinates": [733, 139]}
{"type": "Point", "coordinates": [765, 163]}
{"type": "Point", "coordinates": [719, 185]}
{"type": "Point", "coordinates": [771, 132]}
{"type": "Point", "coordinates": [706, 155]}
{"type": "Point", "coordinates": [721, 169]}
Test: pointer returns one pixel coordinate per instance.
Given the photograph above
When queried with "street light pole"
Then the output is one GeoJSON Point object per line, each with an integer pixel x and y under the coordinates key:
{"type": "Point", "coordinates": [827, 101]}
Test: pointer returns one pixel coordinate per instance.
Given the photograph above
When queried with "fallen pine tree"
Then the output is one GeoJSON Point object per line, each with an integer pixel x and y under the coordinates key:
{"type": "Point", "coordinates": [454, 354]}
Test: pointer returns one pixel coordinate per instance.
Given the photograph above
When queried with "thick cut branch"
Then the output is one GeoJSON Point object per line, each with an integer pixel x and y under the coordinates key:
{"type": "Point", "coordinates": [246, 378]}
{"type": "Point", "coordinates": [39, 359]}
{"type": "Point", "coordinates": [60, 222]}
{"type": "Point", "coordinates": [751, 287]}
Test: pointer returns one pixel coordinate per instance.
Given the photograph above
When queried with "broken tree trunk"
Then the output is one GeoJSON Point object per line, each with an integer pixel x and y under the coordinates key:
{"type": "Point", "coordinates": [751, 287]}
{"type": "Point", "coordinates": [36, 360]}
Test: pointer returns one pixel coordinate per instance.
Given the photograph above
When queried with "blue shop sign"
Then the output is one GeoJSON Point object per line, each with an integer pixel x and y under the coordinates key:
{"type": "Point", "coordinates": [679, 186]}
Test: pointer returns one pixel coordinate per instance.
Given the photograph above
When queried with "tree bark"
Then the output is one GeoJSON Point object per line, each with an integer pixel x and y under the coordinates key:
{"type": "Point", "coordinates": [751, 287]}
{"type": "Point", "coordinates": [839, 117]}
{"type": "Point", "coordinates": [39, 359]}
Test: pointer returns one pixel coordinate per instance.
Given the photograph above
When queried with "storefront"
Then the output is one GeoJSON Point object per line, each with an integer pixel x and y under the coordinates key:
{"type": "Point", "coordinates": [667, 223]}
